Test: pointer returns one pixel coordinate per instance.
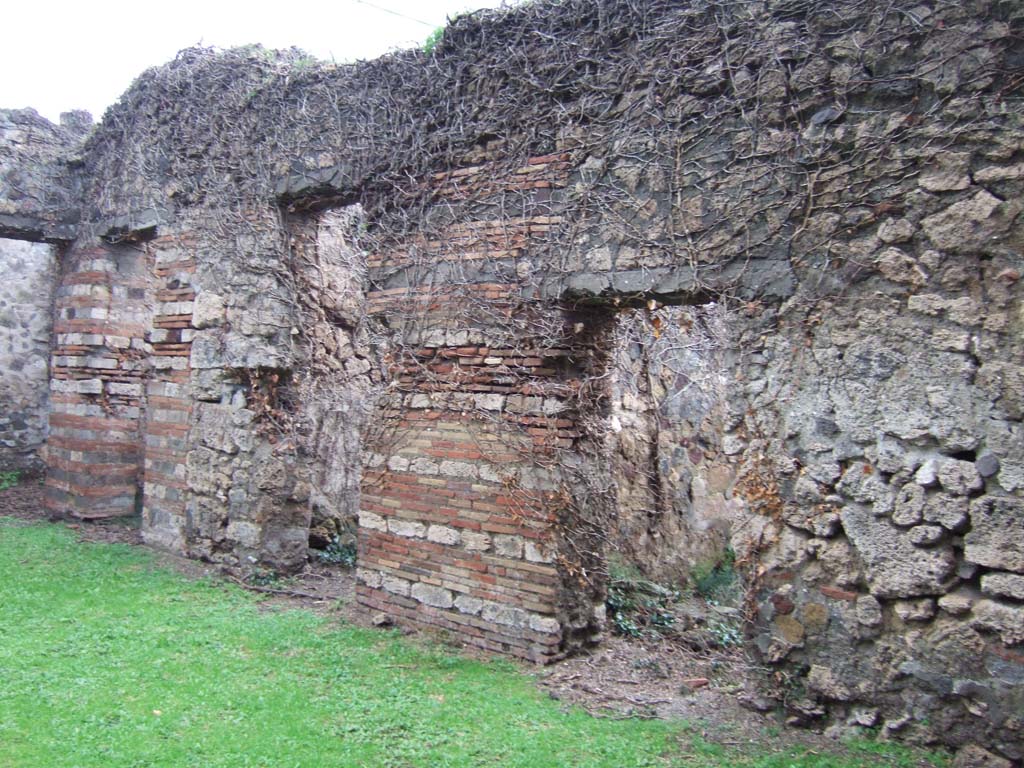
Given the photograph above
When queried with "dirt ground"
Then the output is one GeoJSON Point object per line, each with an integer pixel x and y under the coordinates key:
{"type": "Point", "coordinates": [648, 677]}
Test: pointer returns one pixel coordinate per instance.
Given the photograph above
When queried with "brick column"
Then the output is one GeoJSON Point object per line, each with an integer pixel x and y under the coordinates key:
{"type": "Point", "coordinates": [97, 368]}
{"type": "Point", "coordinates": [466, 507]}
{"type": "Point", "coordinates": [169, 403]}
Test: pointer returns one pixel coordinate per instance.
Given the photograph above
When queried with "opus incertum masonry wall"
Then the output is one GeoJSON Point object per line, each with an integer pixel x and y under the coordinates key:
{"type": "Point", "coordinates": [26, 306]}
{"type": "Point", "coordinates": [653, 277]}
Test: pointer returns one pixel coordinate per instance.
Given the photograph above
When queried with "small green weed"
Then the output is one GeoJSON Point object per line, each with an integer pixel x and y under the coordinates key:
{"type": "Point", "coordinates": [9, 479]}
{"type": "Point", "coordinates": [261, 578]}
{"type": "Point", "coordinates": [716, 581]}
{"type": "Point", "coordinates": [727, 635]}
{"type": "Point", "coordinates": [304, 63]}
{"type": "Point", "coordinates": [636, 604]}
{"type": "Point", "coordinates": [433, 40]}
{"type": "Point", "coordinates": [337, 553]}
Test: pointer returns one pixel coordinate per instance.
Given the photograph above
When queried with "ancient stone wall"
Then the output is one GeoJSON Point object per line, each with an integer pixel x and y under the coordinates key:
{"type": "Point", "coordinates": [673, 478]}
{"type": "Point", "coordinates": [26, 305]}
{"type": "Point", "coordinates": [900, 478]}
{"type": "Point", "coordinates": [395, 290]}
{"type": "Point", "coordinates": [38, 194]}
{"type": "Point", "coordinates": [463, 522]}
{"type": "Point", "coordinates": [219, 483]}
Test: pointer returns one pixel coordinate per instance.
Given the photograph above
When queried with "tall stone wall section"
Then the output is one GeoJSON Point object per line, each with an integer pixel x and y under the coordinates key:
{"type": "Point", "coordinates": [673, 475]}
{"type": "Point", "coordinates": [843, 183]}
{"type": "Point", "coordinates": [460, 506]}
{"type": "Point", "coordinates": [221, 480]}
{"type": "Point", "coordinates": [887, 485]}
{"type": "Point", "coordinates": [26, 306]}
{"type": "Point", "coordinates": [248, 472]}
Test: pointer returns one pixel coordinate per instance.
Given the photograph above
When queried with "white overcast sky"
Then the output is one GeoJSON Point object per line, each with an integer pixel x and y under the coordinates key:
{"type": "Point", "coordinates": [58, 56]}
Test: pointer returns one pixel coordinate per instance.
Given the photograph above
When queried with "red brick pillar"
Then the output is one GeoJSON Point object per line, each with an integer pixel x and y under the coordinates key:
{"type": "Point", "coordinates": [168, 399]}
{"type": "Point", "coordinates": [467, 508]}
{"type": "Point", "coordinates": [98, 368]}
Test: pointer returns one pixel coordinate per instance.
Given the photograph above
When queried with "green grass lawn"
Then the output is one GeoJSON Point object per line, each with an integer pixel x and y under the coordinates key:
{"type": "Point", "coordinates": [106, 659]}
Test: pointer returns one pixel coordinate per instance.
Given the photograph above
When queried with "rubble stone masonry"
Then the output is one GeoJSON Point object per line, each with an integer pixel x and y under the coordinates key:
{"type": "Point", "coordinates": [387, 297]}
{"type": "Point", "coordinates": [26, 306]}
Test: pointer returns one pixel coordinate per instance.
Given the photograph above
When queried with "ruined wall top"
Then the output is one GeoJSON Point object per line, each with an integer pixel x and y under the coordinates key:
{"type": "Point", "coordinates": [38, 199]}
{"type": "Point", "coordinates": [773, 82]}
